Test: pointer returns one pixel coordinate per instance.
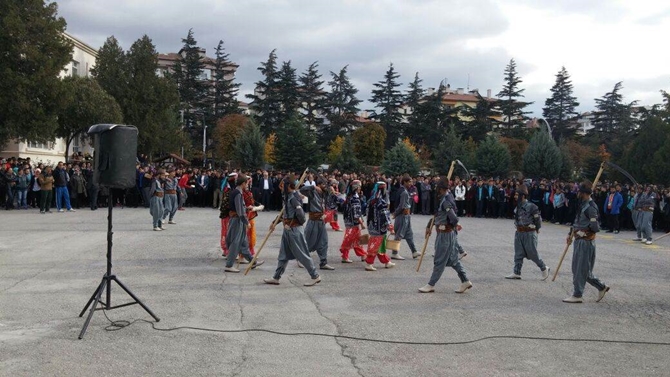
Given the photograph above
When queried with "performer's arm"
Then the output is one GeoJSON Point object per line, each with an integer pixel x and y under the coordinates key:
{"type": "Point", "coordinates": [241, 209]}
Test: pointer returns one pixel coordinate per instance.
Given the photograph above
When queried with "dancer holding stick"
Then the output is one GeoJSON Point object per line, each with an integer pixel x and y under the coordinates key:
{"type": "Point", "coordinates": [446, 253]}
{"type": "Point", "coordinates": [274, 223]}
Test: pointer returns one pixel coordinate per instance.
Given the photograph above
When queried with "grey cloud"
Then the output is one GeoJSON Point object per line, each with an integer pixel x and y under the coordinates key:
{"type": "Point", "coordinates": [424, 36]}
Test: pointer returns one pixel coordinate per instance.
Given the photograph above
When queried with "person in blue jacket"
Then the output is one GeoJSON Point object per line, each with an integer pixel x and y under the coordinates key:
{"type": "Point", "coordinates": [612, 208]}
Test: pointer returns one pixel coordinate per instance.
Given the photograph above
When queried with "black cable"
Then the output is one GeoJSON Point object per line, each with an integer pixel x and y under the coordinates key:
{"type": "Point", "coordinates": [118, 325]}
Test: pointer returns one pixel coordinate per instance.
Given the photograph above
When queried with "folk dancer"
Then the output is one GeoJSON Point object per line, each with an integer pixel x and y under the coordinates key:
{"type": "Point", "coordinates": [315, 230]}
{"type": "Point", "coordinates": [157, 193]}
{"type": "Point", "coordinates": [252, 213]}
{"type": "Point", "coordinates": [353, 222]}
{"type": "Point", "coordinates": [170, 201]}
{"type": "Point", "coordinates": [224, 209]}
{"type": "Point", "coordinates": [237, 241]}
{"type": "Point", "coordinates": [446, 252]}
{"type": "Point", "coordinates": [403, 222]}
{"type": "Point", "coordinates": [293, 243]}
{"type": "Point", "coordinates": [585, 228]}
{"type": "Point", "coordinates": [379, 224]}
{"type": "Point", "coordinates": [331, 206]}
{"type": "Point", "coordinates": [646, 204]}
{"type": "Point", "coordinates": [528, 222]}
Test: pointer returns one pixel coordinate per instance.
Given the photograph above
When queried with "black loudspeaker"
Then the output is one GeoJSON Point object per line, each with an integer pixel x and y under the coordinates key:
{"type": "Point", "coordinates": [115, 155]}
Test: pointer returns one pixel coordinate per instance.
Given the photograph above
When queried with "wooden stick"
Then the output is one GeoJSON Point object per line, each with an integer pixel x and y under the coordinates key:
{"type": "Point", "coordinates": [272, 227]}
{"type": "Point", "coordinates": [663, 236]}
{"type": "Point", "coordinates": [432, 221]}
{"type": "Point", "coordinates": [560, 262]}
{"type": "Point", "coordinates": [572, 234]}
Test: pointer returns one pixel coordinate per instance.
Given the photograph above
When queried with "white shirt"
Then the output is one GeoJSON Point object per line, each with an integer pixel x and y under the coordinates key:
{"type": "Point", "coordinates": [460, 192]}
{"type": "Point", "coordinates": [266, 184]}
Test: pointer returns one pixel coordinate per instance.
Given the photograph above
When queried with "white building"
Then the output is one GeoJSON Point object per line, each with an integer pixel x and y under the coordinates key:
{"type": "Point", "coordinates": [83, 60]}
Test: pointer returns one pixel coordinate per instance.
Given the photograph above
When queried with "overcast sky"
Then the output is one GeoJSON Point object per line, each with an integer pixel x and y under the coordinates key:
{"type": "Point", "coordinates": [600, 42]}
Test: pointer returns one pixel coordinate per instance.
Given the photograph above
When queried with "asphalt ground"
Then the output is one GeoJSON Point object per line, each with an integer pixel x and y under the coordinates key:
{"type": "Point", "coordinates": [51, 264]}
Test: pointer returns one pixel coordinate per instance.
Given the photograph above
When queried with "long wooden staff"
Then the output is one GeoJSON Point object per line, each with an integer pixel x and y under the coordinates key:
{"type": "Point", "coordinates": [572, 233]}
{"type": "Point", "coordinates": [432, 221]}
{"type": "Point", "coordinates": [272, 227]}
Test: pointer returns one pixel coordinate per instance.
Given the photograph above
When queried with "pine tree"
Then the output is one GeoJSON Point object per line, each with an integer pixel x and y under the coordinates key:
{"type": "Point", "coordinates": [451, 148]}
{"type": "Point", "coordinates": [287, 91]}
{"type": "Point", "coordinates": [560, 107]}
{"type": "Point", "coordinates": [109, 70]}
{"type": "Point", "coordinates": [151, 102]}
{"type": "Point", "coordinates": [250, 147]}
{"type": "Point", "coordinates": [34, 52]}
{"type": "Point", "coordinates": [510, 107]}
{"type": "Point", "coordinates": [415, 94]}
{"type": "Point", "coordinates": [193, 90]}
{"type": "Point", "coordinates": [479, 119]}
{"type": "Point", "coordinates": [296, 146]}
{"type": "Point", "coordinates": [312, 98]}
{"type": "Point", "coordinates": [342, 108]}
{"type": "Point", "coordinates": [543, 157]}
{"type": "Point", "coordinates": [400, 160]}
{"type": "Point", "coordinates": [567, 163]}
{"type": "Point", "coordinates": [225, 89]}
{"type": "Point", "coordinates": [369, 144]}
{"type": "Point", "coordinates": [492, 158]}
{"type": "Point", "coordinates": [389, 100]}
{"type": "Point", "coordinates": [347, 161]}
{"type": "Point", "coordinates": [612, 118]}
{"type": "Point", "coordinates": [265, 100]}
{"type": "Point", "coordinates": [434, 120]}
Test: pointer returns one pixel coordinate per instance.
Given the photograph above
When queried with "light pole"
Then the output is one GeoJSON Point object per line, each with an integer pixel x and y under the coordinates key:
{"type": "Point", "coordinates": [204, 140]}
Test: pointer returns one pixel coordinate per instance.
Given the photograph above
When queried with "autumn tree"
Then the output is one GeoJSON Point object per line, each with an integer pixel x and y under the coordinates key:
{"type": "Point", "coordinates": [369, 144]}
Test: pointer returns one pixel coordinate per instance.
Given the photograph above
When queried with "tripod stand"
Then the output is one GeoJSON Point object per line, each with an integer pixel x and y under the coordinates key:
{"type": "Point", "coordinates": [106, 283]}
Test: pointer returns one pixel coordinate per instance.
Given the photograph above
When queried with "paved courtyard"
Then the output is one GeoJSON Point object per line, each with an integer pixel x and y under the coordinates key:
{"type": "Point", "coordinates": [50, 265]}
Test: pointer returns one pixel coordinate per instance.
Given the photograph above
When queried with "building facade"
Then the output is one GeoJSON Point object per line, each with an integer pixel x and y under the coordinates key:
{"type": "Point", "coordinates": [83, 60]}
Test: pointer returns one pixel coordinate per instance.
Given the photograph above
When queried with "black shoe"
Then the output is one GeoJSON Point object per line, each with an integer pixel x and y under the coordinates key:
{"type": "Point", "coordinates": [610, 231]}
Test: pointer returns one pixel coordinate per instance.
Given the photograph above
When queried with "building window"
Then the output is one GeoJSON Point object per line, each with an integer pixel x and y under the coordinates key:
{"type": "Point", "coordinates": [204, 74]}
{"type": "Point", "coordinates": [37, 145]}
{"type": "Point", "coordinates": [76, 147]}
{"type": "Point", "coordinates": [75, 68]}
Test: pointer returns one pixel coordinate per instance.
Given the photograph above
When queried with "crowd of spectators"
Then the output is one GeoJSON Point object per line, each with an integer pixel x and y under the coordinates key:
{"type": "Point", "coordinates": [25, 185]}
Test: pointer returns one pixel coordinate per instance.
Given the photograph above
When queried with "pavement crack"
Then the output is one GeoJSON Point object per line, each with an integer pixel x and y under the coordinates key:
{"type": "Point", "coordinates": [343, 347]}
{"type": "Point", "coordinates": [240, 367]}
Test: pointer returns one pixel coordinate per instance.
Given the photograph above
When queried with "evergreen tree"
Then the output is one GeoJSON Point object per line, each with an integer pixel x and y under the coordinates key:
{"type": "Point", "coordinates": [451, 148]}
{"type": "Point", "coordinates": [434, 119]}
{"type": "Point", "coordinates": [193, 90]}
{"type": "Point", "coordinates": [400, 160]}
{"type": "Point", "coordinates": [225, 89]}
{"type": "Point", "coordinates": [492, 158]}
{"type": "Point", "coordinates": [543, 157]}
{"type": "Point", "coordinates": [613, 118]}
{"type": "Point", "coordinates": [560, 107]}
{"type": "Point", "coordinates": [415, 94]}
{"type": "Point", "coordinates": [312, 98]}
{"type": "Point", "coordinates": [287, 91]}
{"type": "Point", "coordinates": [151, 102]}
{"type": "Point", "coordinates": [86, 103]}
{"type": "Point", "coordinates": [250, 147]}
{"type": "Point", "coordinates": [388, 100]}
{"type": "Point", "coordinates": [296, 146]}
{"type": "Point", "coordinates": [109, 70]}
{"type": "Point", "coordinates": [347, 160]}
{"type": "Point", "coordinates": [479, 119]}
{"type": "Point", "coordinates": [369, 144]}
{"type": "Point", "coordinates": [342, 108]}
{"type": "Point", "coordinates": [510, 107]}
{"type": "Point", "coordinates": [34, 52]}
{"type": "Point", "coordinates": [265, 100]}
{"type": "Point", "coordinates": [567, 163]}
{"type": "Point", "coordinates": [649, 138]}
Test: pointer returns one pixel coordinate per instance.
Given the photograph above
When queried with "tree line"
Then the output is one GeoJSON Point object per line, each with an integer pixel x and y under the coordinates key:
{"type": "Point", "coordinates": [306, 119]}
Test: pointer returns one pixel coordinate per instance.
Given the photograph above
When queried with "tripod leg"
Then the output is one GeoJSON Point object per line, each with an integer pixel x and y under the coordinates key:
{"type": "Point", "coordinates": [92, 297]}
{"type": "Point", "coordinates": [135, 298]}
{"type": "Point", "coordinates": [90, 314]}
